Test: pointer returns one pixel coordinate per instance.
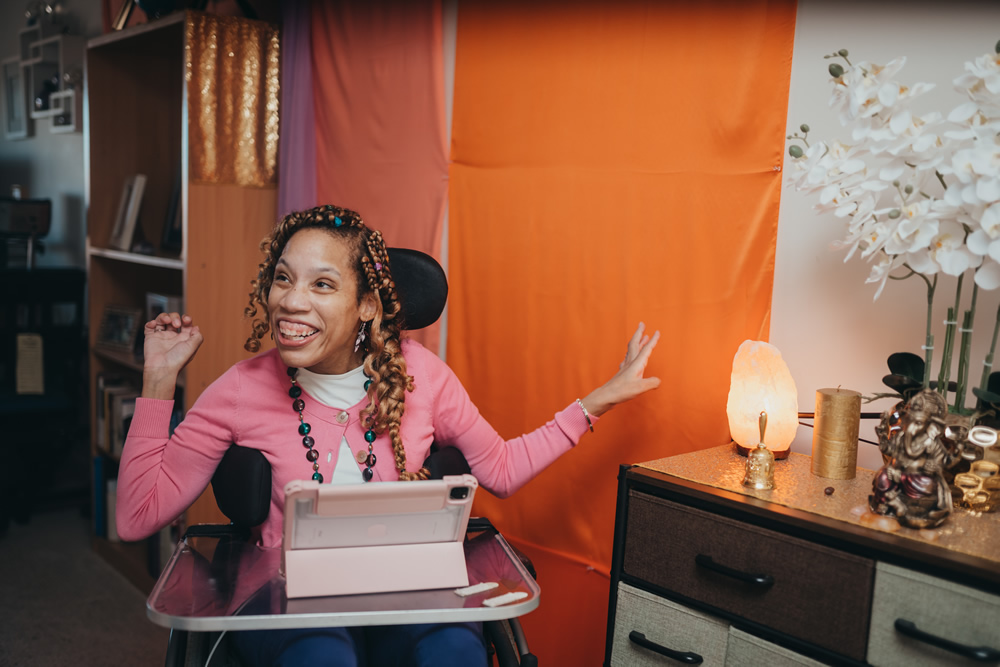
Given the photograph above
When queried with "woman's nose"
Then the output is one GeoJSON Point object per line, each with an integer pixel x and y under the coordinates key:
{"type": "Point", "coordinates": [295, 298]}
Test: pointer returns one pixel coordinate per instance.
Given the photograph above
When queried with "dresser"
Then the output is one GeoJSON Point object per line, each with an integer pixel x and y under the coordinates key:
{"type": "Point", "coordinates": [706, 571]}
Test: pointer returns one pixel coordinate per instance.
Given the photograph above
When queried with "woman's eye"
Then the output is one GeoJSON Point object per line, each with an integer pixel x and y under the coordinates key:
{"type": "Point", "coordinates": [323, 284]}
{"type": "Point", "coordinates": [280, 278]}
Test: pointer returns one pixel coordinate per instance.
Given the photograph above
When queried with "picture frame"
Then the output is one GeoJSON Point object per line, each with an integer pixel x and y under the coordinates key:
{"type": "Point", "coordinates": [128, 213]}
{"type": "Point", "coordinates": [162, 303]}
{"type": "Point", "coordinates": [119, 328]}
{"type": "Point", "coordinates": [17, 123]}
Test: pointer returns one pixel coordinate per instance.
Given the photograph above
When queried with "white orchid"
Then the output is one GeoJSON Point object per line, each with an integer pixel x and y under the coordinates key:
{"type": "Point", "coordinates": [920, 194]}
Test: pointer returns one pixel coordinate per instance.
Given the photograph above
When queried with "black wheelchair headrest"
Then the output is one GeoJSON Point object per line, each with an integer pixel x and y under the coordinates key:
{"type": "Point", "coordinates": [242, 486]}
{"type": "Point", "coordinates": [422, 286]}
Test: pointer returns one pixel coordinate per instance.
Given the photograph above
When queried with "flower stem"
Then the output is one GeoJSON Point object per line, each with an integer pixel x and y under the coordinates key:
{"type": "Point", "coordinates": [963, 358]}
{"type": "Point", "coordinates": [949, 341]}
{"type": "Point", "coordinates": [988, 364]}
{"type": "Point", "coordinates": [929, 340]}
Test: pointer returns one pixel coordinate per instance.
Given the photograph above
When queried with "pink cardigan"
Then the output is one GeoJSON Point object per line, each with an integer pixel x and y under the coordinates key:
{"type": "Point", "coordinates": [160, 476]}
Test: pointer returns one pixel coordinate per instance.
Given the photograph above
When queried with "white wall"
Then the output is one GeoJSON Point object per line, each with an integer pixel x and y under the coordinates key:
{"type": "Point", "coordinates": [823, 320]}
{"type": "Point", "coordinates": [50, 165]}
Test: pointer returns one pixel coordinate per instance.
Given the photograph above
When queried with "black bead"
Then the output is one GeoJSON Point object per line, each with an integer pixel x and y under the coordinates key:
{"type": "Point", "coordinates": [318, 477]}
{"type": "Point", "coordinates": [370, 461]}
{"type": "Point", "coordinates": [312, 455]}
{"type": "Point", "coordinates": [295, 391]}
{"type": "Point", "coordinates": [367, 474]}
{"type": "Point", "coordinates": [304, 428]}
{"type": "Point", "coordinates": [298, 405]}
{"type": "Point", "coordinates": [292, 371]}
{"type": "Point", "coordinates": [308, 441]}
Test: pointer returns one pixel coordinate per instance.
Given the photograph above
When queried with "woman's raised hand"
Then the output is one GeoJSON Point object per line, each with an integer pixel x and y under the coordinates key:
{"type": "Point", "coordinates": [171, 341]}
{"type": "Point", "coordinates": [628, 382]}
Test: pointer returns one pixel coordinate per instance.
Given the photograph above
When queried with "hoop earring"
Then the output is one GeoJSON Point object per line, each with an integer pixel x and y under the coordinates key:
{"type": "Point", "coordinates": [361, 336]}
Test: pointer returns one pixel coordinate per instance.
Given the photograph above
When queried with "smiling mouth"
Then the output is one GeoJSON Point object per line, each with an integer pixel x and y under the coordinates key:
{"type": "Point", "coordinates": [296, 331]}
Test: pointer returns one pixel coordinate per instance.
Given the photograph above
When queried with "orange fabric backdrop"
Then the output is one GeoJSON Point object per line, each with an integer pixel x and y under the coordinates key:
{"type": "Point", "coordinates": [612, 162]}
{"type": "Point", "coordinates": [378, 79]}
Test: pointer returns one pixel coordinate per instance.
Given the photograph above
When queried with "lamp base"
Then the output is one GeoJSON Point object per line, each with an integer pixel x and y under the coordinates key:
{"type": "Point", "coordinates": [743, 451]}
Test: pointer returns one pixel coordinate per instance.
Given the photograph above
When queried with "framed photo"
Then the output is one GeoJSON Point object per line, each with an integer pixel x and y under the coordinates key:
{"type": "Point", "coordinates": [161, 303]}
{"type": "Point", "coordinates": [16, 122]}
{"type": "Point", "coordinates": [128, 212]}
{"type": "Point", "coordinates": [119, 328]}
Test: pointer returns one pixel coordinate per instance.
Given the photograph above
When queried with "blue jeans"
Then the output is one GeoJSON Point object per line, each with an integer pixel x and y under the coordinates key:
{"type": "Point", "coordinates": [421, 645]}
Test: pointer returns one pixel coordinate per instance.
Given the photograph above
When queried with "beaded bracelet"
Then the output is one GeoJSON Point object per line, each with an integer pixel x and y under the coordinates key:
{"type": "Point", "coordinates": [586, 414]}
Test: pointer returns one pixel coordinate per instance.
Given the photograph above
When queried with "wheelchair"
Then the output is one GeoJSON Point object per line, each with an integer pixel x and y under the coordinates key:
{"type": "Point", "coordinates": [242, 488]}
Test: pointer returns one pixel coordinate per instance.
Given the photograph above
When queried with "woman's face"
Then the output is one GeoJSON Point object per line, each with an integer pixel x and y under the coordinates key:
{"type": "Point", "coordinates": [313, 303]}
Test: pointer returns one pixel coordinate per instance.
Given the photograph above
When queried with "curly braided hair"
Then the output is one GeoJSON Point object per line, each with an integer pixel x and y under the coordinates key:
{"type": "Point", "coordinates": [384, 362]}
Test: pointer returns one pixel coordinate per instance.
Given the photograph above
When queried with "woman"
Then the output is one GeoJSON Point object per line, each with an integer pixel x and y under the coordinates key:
{"type": "Point", "coordinates": [364, 404]}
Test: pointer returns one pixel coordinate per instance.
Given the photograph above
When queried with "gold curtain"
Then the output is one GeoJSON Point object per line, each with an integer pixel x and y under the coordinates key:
{"type": "Point", "coordinates": [232, 73]}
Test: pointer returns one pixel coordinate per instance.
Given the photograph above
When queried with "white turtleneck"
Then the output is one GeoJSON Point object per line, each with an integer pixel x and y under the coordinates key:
{"type": "Point", "coordinates": [337, 391]}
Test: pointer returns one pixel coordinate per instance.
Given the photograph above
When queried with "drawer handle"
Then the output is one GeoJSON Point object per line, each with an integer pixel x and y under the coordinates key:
{"type": "Point", "coordinates": [687, 658]}
{"type": "Point", "coordinates": [978, 653]}
{"type": "Point", "coordinates": [761, 580]}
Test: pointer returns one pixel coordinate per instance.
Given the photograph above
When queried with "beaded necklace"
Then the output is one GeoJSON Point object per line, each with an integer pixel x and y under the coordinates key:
{"type": "Point", "coordinates": [309, 443]}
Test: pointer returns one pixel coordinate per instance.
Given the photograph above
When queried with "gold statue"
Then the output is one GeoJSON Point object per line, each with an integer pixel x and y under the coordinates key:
{"type": "Point", "coordinates": [760, 462]}
{"type": "Point", "coordinates": [912, 486]}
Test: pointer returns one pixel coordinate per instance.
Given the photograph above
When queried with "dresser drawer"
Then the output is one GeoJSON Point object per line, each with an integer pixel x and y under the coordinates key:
{"type": "Point", "coordinates": [949, 611]}
{"type": "Point", "coordinates": [806, 590]}
{"type": "Point", "coordinates": [746, 650]}
{"type": "Point", "coordinates": [666, 624]}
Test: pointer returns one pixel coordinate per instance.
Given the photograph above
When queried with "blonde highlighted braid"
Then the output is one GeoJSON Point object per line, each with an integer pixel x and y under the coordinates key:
{"type": "Point", "coordinates": [384, 363]}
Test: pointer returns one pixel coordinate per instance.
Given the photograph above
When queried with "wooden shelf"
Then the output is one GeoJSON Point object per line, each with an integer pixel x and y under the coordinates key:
{"type": "Point", "coordinates": [136, 258]}
{"type": "Point", "coordinates": [138, 121]}
{"type": "Point", "coordinates": [126, 360]}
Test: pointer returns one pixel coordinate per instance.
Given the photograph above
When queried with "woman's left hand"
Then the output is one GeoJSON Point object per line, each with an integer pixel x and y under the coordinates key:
{"type": "Point", "coordinates": [628, 382]}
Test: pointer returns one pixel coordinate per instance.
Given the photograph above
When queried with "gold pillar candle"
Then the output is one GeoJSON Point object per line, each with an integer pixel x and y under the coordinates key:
{"type": "Point", "coordinates": [835, 433]}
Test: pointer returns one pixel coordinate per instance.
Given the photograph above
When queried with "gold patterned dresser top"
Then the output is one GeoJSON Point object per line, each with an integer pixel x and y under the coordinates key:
{"type": "Point", "coordinates": [965, 532]}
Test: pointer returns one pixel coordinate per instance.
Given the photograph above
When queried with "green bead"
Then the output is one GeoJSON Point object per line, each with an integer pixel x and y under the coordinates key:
{"type": "Point", "coordinates": [368, 383]}
{"type": "Point", "coordinates": [369, 436]}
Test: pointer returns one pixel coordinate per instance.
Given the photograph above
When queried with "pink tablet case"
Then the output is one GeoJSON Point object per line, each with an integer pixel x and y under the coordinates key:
{"type": "Point", "coordinates": [375, 538]}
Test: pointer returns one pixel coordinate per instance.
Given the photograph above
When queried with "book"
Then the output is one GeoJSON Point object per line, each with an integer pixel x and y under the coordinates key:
{"type": "Point", "coordinates": [128, 212]}
{"type": "Point", "coordinates": [100, 516]}
{"type": "Point", "coordinates": [104, 382]}
{"type": "Point", "coordinates": [112, 416]}
{"type": "Point", "coordinates": [111, 491]}
{"type": "Point", "coordinates": [122, 409]}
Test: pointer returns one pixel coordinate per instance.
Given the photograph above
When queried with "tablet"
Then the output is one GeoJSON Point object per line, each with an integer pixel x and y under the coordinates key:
{"type": "Point", "coordinates": [415, 529]}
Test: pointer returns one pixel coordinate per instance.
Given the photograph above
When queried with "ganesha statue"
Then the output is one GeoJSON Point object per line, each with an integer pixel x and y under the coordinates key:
{"type": "Point", "coordinates": [915, 443]}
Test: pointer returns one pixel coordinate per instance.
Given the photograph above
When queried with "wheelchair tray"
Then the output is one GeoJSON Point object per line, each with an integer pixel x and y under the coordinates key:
{"type": "Point", "coordinates": [211, 585]}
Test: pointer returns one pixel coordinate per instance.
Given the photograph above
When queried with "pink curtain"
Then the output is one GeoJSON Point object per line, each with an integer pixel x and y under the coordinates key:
{"type": "Point", "coordinates": [378, 86]}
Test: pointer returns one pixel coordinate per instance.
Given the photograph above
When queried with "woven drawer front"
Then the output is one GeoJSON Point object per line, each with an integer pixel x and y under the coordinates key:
{"type": "Point", "coordinates": [666, 623]}
{"type": "Point", "coordinates": [818, 594]}
{"type": "Point", "coordinates": [745, 650]}
{"type": "Point", "coordinates": [950, 611]}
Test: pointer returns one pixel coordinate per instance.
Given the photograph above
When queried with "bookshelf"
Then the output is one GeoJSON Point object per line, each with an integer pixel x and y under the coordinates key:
{"type": "Point", "coordinates": [137, 122]}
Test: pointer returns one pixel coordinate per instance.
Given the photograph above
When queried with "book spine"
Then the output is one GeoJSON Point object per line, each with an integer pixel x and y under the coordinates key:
{"type": "Point", "coordinates": [99, 511]}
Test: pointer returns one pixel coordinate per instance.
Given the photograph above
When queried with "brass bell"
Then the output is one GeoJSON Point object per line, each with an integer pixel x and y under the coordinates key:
{"type": "Point", "coordinates": [760, 462]}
